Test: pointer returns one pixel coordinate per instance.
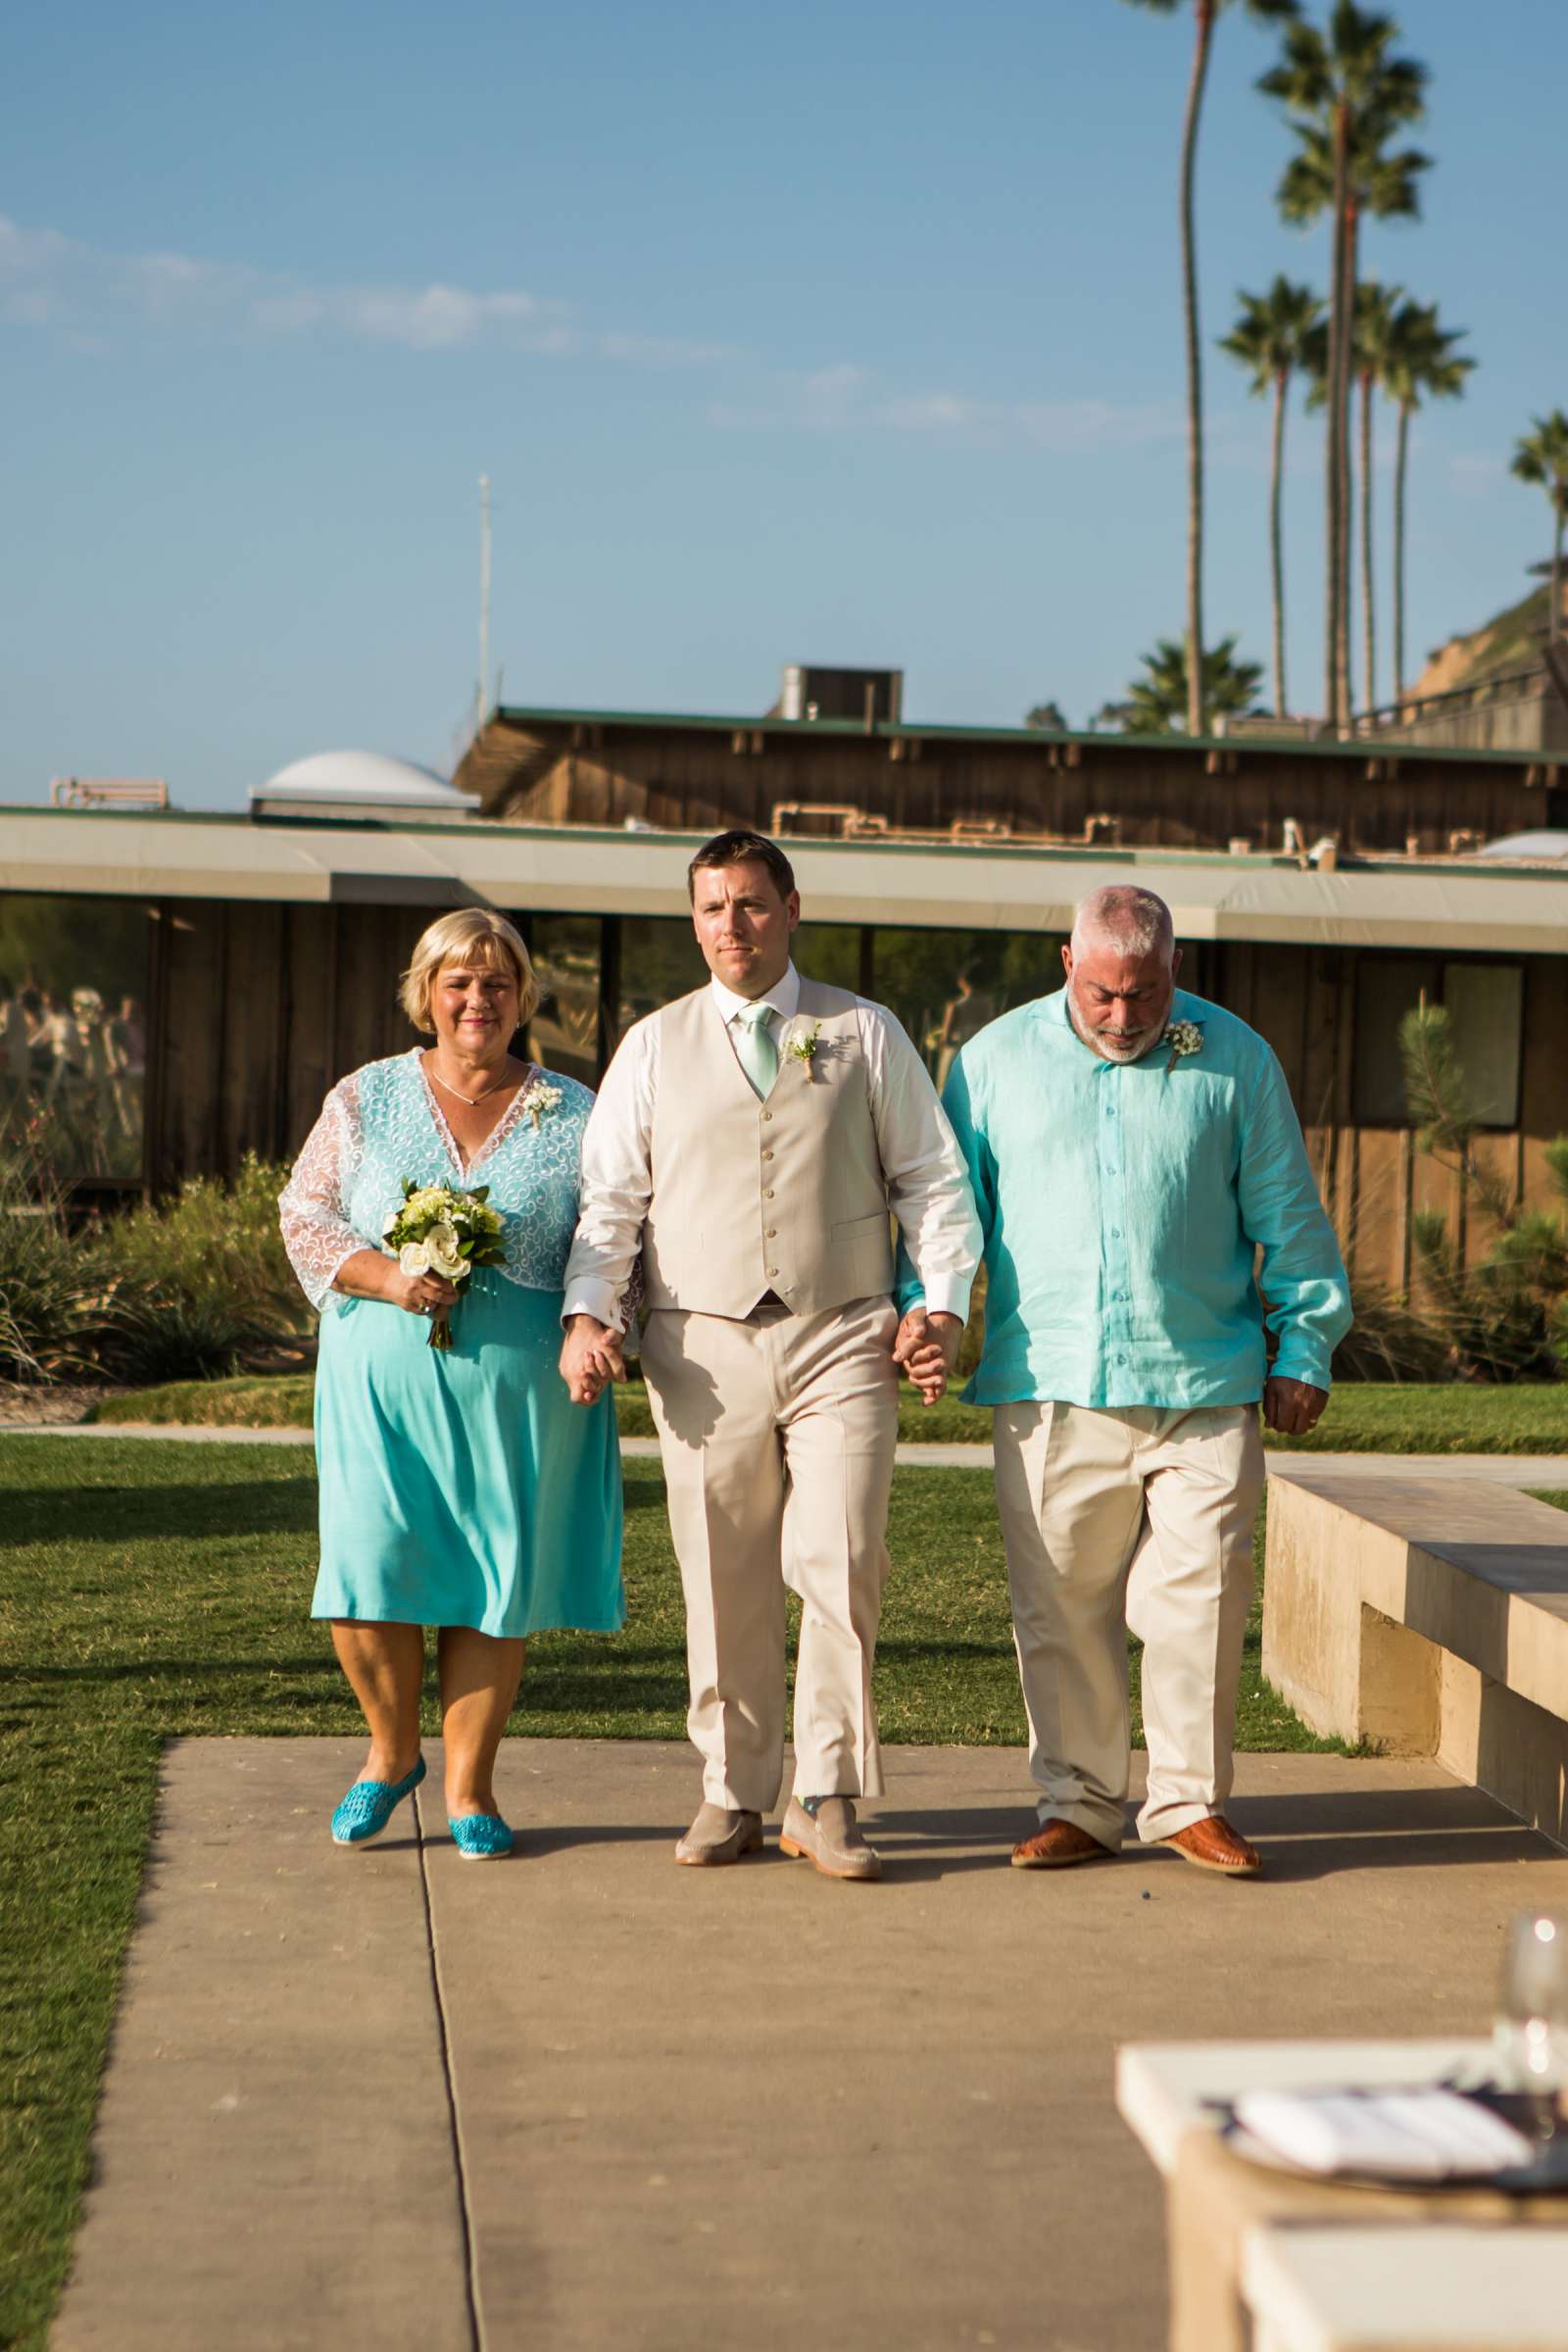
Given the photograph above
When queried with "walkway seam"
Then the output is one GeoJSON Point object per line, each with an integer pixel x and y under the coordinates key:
{"type": "Point", "coordinates": [470, 2251]}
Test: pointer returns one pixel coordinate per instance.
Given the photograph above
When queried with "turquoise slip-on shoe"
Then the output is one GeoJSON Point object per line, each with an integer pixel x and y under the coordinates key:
{"type": "Point", "coordinates": [480, 1836]}
{"type": "Point", "coordinates": [369, 1805]}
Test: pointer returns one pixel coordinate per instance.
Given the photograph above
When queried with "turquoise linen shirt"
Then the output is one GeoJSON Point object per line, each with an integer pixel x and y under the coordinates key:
{"type": "Point", "coordinates": [1123, 1204]}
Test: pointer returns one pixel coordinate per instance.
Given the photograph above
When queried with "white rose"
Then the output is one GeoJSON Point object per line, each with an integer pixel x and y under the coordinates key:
{"type": "Point", "coordinates": [414, 1259]}
{"type": "Point", "coordinates": [391, 1221]}
{"type": "Point", "coordinates": [450, 1264]}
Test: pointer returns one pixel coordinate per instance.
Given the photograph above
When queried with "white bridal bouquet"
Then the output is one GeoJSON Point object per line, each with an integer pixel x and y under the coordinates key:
{"type": "Point", "coordinates": [439, 1230]}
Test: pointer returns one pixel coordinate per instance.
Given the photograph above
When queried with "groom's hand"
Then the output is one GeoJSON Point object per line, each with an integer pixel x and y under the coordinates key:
{"type": "Point", "coordinates": [927, 1348]}
{"type": "Point", "coordinates": [1293, 1406]}
{"type": "Point", "coordinates": [589, 1356]}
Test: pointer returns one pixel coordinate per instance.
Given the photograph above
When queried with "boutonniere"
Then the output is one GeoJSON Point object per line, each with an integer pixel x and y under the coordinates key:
{"type": "Point", "coordinates": [803, 1046]}
{"type": "Point", "coordinates": [1183, 1038]}
{"type": "Point", "coordinates": [540, 1101]}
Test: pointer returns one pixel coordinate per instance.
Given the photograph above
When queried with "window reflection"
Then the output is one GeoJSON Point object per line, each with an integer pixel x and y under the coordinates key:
{"type": "Point", "coordinates": [74, 1036]}
{"type": "Point", "coordinates": [829, 952]}
{"type": "Point", "coordinates": [946, 986]}
{"type": "Point", "coordinates": [564, 1033]}
{"type": "Point", "coordinates": [659, 961]}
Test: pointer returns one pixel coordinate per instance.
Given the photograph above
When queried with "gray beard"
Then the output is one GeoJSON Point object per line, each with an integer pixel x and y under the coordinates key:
{"type": "Point", "coordinates": [1089, 1038]}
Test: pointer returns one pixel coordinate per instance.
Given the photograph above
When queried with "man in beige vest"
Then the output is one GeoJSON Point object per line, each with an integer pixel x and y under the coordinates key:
{"type": "Point", "coordinates": [749, 1144]}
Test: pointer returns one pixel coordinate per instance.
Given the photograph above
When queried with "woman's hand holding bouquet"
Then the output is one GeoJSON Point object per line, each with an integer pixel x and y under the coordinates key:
{"type": "Point", "coordinates": [438, 1236]}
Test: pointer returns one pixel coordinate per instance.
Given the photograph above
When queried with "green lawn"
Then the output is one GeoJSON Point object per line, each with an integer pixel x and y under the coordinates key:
{"type": "Point", "coordinates": [1446, 1418]}
{"type": "Point", "coordinates": [154, 1591]}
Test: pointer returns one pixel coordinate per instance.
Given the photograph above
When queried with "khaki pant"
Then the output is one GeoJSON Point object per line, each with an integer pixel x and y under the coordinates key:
{"type": "Point", "coordinates": [777, 1435]}
{"type": "Point", "coordinates": [1139, 1519]}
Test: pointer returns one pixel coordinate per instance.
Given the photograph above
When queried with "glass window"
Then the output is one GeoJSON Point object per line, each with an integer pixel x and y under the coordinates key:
{"type": "Point", "coordinates": [945, 986]}
{"type": "Point", "coordinates": [659, 961]}
{"type": "Point", "coordinates": [1485, 1003]}
{"type": "Point", "coordinates": [829, 952]}
{"type": "Point", "coordinates": [564, 1033]}
{"type": "Point", "coordinates": [1386, 988]}
{"type": "Point", "coordinates": [74, 976]}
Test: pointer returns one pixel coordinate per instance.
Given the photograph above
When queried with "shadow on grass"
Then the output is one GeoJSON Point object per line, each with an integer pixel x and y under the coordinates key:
{"type": "Point", "coordinates": [125, 1515]}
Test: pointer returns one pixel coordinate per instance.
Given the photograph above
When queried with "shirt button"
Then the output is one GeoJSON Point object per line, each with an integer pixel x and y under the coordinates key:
{"type": "Point", "coordinates": [1121, 1360]}
{"type": "Point", "coordinates": [1115, 1231]}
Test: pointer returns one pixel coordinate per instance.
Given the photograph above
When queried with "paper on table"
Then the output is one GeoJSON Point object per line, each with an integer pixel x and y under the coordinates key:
{"type": "Point", "coordinates": [1426, 2134]}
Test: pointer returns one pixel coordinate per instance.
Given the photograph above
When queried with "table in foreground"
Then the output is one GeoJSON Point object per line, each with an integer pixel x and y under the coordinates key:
{"type": "Point", "coordinates": [1216, 2201]}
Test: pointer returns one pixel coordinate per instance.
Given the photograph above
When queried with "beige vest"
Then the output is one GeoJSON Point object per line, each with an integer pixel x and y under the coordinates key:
{"type": "Point", "coordinates": [750, 1197]}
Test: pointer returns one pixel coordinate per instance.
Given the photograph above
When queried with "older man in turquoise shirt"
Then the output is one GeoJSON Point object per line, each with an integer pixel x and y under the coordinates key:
{"type": "Point", "coordinates": [1134, 1154]}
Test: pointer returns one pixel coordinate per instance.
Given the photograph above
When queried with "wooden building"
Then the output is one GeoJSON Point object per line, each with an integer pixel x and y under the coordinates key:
{"type": "Point", "coordinates": [848, 778]}
{"type": "Point", "coordinates": [206, 978]}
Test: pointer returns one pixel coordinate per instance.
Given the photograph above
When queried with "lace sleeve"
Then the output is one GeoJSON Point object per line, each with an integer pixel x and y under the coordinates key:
{"type": "Point", "coordinates": [311, 1207]}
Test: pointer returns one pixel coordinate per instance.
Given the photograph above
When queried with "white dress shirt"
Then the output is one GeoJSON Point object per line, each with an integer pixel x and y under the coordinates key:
{"type": "Point", "coordinates": [928, 1184]}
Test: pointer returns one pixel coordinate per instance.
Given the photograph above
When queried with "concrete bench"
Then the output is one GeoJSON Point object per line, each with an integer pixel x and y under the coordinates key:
{"type": "Point", "coordinates": [1429, 1619]}
{"type": "Point", "coordinates": [1442, 2288]}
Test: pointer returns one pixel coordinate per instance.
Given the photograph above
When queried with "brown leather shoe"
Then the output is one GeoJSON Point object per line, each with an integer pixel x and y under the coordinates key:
{"type": "Point", "coordinates": [1213, 1844]}
{"type": "Point", "coordinates": [1056, 1844]}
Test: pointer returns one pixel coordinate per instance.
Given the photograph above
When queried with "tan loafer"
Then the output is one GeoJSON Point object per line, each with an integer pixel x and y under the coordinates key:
{"type": "Point", "coordinates": [1057, 1845]}
{"type": "Point", "coordinates": [718, 1835]}
{"type": "Point", "coordinates": [830, 1838]}
{"type": "Point", "coordinates": [1213, 1844]}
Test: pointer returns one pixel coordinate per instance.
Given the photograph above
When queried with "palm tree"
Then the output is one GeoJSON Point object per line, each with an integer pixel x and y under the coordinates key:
{"type": "Point", "coordinates": [1270, 337]}
{"type": "Point", "coordinates": [1206, 14]}
{"type": "Point", "coordinates": [1159, 703]}
{"type": "Point", "coordinates": [1542, 457]}
{"type": "Point", "coordinates": [1419, 360]}
{"type": "Point", "coordinates": [1345, 96]}
{"type": "Point", "coordinates": [1371, 329]}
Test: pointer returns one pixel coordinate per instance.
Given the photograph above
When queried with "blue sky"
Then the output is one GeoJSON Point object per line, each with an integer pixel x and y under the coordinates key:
{"type": "Point", "coordinates": [843, 333]}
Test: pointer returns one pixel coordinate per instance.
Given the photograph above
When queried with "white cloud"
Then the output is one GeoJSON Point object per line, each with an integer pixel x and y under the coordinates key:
{"type": "Point", "coordinates": [850, 399]}
{"type": "Point", "coordinates": [91, 296]}
{"type": "Point", "coordinates": [47, 279]}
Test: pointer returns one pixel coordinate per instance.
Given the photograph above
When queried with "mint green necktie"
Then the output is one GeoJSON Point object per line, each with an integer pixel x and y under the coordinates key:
{"type": "Point", "coordinates": [755, 1048]}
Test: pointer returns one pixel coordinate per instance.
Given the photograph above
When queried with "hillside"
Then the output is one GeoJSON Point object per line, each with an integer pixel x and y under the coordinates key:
{"type": "Point", "coordinates": [1510, 640]}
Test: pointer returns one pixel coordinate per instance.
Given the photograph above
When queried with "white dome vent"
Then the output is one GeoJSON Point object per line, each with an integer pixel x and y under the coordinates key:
{"type": "Point", "coordinates": [359, 784]}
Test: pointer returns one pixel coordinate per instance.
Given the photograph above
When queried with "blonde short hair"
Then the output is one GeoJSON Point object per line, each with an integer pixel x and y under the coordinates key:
{"type": "Point", "coordinates": [471, 935]}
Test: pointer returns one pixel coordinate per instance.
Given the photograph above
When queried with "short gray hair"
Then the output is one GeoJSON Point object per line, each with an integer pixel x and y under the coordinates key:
{"type": "Point", "coordinates": [1136, 919]}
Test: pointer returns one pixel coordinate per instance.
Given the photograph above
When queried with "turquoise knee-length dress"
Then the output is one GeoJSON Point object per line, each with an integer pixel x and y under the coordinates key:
{"type": "Point", "coordinates": [461, 1486]}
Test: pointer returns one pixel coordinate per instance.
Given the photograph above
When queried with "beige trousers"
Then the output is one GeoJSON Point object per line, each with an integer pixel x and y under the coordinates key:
{"type": "Point", "coordinates": [1139, 1519]}
{"type": "Point", "coordinates": [777, 1435]}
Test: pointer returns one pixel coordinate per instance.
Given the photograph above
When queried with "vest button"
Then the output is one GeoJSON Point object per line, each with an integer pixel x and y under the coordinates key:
{"type": "Point", "coordinates": [768, 1195]}
{"type": "Point", "coordinates": [767, 1115]}
{"type": "Point", "coordinates": [772, 1233]}
{"type": "Point", "coordinates": [768, 1155]}
{"type": "Point", "coordinates": [772, 1273]}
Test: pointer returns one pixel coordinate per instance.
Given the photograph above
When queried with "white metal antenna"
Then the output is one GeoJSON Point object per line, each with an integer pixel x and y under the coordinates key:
{"type": "Point", "coordinates": [484, 601]}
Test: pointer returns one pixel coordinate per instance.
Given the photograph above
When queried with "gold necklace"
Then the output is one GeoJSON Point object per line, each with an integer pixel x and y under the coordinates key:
{"type": "Point", "coordinates": [473, 1101]}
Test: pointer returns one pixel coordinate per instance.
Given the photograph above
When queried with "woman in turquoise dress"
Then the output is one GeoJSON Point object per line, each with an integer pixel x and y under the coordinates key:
{"type": "Point", "coordinates": [459, 1488]}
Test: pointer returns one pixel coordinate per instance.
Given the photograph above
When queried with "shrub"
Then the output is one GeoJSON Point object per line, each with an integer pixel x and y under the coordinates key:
{"type": "Point", "coordinates": [194, 1288]}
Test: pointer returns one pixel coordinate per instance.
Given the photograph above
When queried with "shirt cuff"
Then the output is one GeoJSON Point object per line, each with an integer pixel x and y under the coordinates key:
{"type": "Point", "coordinates": [587, 1296]}
{"type": "Point", "coordinates": [1302, 1362]}
{"type": "Point", "coordinates": [948, 1295]}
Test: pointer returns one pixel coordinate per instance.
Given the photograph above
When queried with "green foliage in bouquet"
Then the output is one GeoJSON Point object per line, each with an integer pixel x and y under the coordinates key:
{"type": "Point", "coordinates": [1506, 1316]}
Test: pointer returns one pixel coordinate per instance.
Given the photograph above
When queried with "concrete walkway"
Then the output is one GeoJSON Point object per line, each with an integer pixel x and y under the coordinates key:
{"type": "Point", "coordinates": [364, 2102]}
{"type": "Point", "coordinates": [1523, 1470]}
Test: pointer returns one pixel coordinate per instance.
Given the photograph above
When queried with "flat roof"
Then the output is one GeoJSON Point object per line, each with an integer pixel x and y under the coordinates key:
{"type": "Point", "coordinates": [1390, 903]}
{"type": "Point", "coordinates": [1334, 747]}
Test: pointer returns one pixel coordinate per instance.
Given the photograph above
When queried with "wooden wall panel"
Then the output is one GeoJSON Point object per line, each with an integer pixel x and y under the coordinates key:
{"type": "Point", "coordinates": [309, 988]}
{"type": "Point", "coordinates": [253, 1033]}
{"type": "Point", "coordinates": [188, 1041]}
